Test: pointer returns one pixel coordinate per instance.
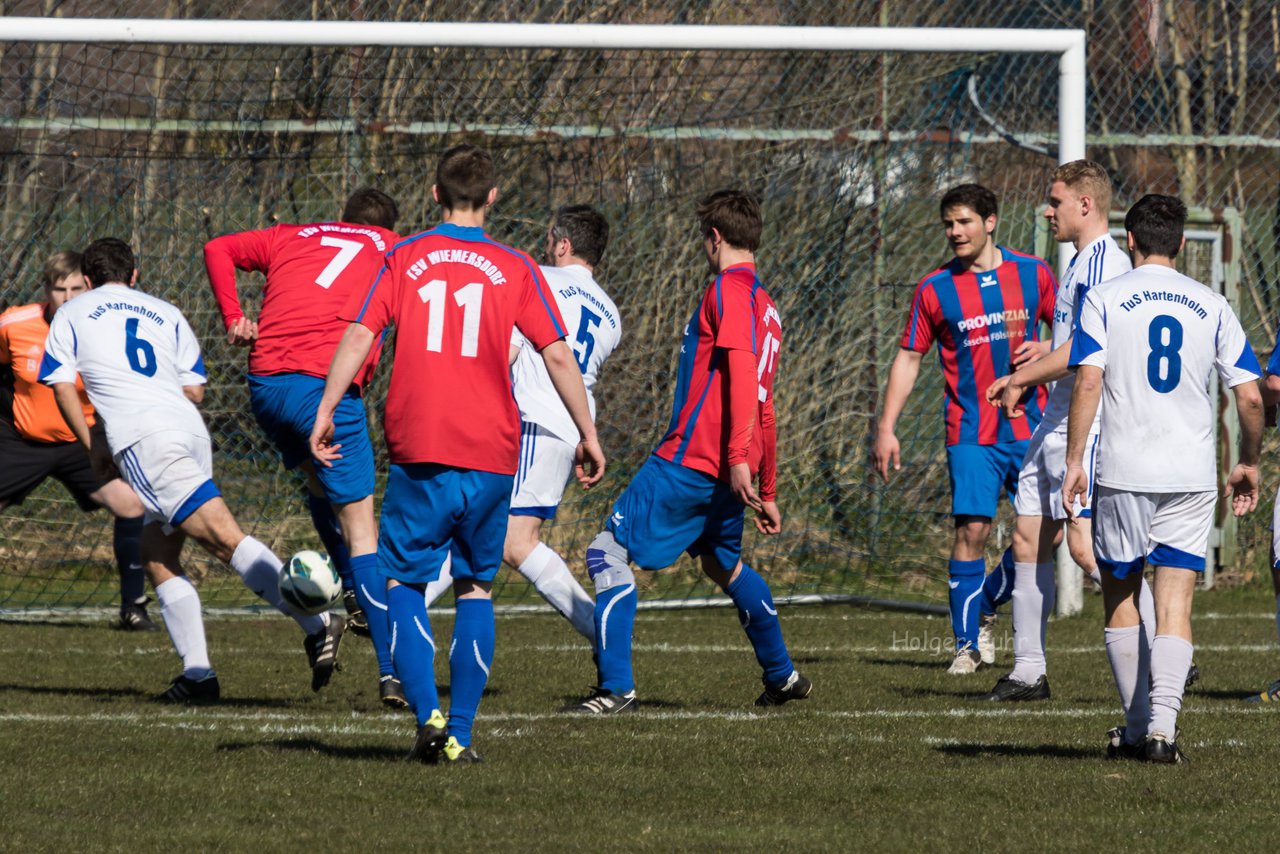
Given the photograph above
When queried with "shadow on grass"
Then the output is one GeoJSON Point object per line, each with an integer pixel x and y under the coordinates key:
{"type": "Point", "coordinates": [310, 745]}
{"type": "Point", "coordinates": [1052, 751]}
{"type": "Point", "coordinates": [913, 663]}
{"type": "Point", "coordinates": [67, 691]}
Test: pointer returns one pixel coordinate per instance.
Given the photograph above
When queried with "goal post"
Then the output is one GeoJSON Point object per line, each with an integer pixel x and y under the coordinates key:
{"type": "Point", "coordinates": [169, 132]}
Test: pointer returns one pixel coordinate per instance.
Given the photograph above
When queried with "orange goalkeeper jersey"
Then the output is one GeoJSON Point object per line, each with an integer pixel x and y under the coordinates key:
{"type": "Point", "coordinates": [23, 331]}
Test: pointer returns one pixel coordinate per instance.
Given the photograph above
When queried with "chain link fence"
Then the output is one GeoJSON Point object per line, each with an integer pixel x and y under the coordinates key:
{"type": "Point", "coordinates": [167, 146]}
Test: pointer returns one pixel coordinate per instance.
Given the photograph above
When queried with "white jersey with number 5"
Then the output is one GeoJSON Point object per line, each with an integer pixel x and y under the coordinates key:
{"type": "Point", "coordinates": [1159, 336]}
{"type": "Point", "coordinates": [593, 330]}
{"type": "Point", "coordinates": [134, 352]}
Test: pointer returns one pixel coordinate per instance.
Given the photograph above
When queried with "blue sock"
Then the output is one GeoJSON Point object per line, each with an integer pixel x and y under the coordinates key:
{"type": "Point", "coordinates": [759, 620]}
{"type": "Point", "coordinates": [371, 592]}
{"type": "Point", "coordinates": [413, 649]}
{"type": "Point", "coordinates": [128, 550]}
{"type": "Point", "coordinates": [998, 586]}
{"type": "Point", "coordinates": [326, 525]}
{"type": "Point", "coordinates": [965, 581]}
{"type": "Point", "coordinates": [470, 657]}
{"type": "Point", "coordinates": [615, 620]}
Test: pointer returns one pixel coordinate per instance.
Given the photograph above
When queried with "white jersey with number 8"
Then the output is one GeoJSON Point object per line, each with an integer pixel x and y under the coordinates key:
{"type": "Point", "coordinates": [1159, 336]}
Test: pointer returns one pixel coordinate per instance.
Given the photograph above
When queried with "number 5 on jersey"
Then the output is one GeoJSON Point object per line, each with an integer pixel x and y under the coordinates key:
{"type": "Point", "coordinates": [469, 298]}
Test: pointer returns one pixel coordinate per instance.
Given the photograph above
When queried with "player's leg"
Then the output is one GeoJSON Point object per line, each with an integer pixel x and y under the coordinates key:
{"type": "Point", "coordinates": [325, 520]}
{"type": "Point", "coordinates": [997, 588]}
{"type": "Point", "coordinates": [657, 517]}
{"type": "Point", "coordinates": [548, 573]}
{"type": "Point", "coordinates": [180, 607]}
{"type": "Point", "coordinates": [1271, 693]}
{"type": "Point", "coordinates": [1121, 522]}
{"type": "Point", "coordinates": [976, 473]}
{"type": "Point", "coordinates": [1180, 530]}
{"type": "Point", "coordinates": [1033, 597]}
{"type": "Point", "coordinates": [124, 504]}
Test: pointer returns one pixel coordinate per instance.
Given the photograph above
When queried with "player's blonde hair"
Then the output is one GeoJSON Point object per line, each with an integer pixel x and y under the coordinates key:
{"type": "Point", "coordinates": [1087, 178]}
{"type": "Point", "coordinates": [59, 266]}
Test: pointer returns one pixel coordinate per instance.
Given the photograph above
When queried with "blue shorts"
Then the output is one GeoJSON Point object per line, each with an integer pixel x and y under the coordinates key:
{"type": "Point", "coordinates": [285, 406]}
{"type": "Point", "coordinates": [979, 471]}
{"type": "Point", "coordinates": [430, 511]}
{"type": "Point", "coordinates": [668, 509]}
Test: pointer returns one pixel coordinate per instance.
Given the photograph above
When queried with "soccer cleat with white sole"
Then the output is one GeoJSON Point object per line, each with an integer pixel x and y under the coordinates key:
{"type": "Point", "coordinates": [604, 702]}
{"type": "Point", "coordinates": [322, 651]}
{"type": "Point", "coordinates": [430, 741]}
{"type": "Point", "coordinates": [797, 687]}
{"type": "Point", "coordinates": [1119, 748]}
{"type": "Point", "coordinates": [967, 661]}
{"type": "Point", "coordinates": [987, 638]}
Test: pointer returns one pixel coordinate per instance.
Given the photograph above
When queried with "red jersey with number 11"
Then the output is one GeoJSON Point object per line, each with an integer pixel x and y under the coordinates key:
{"type": "Point", "coordinates": [312, 271]}
{"type": "Point", "coordinates": [454, 295]}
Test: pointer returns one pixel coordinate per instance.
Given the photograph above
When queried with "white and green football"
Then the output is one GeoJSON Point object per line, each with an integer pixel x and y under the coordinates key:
{"type": "Point", "coordinates": [309, 583]}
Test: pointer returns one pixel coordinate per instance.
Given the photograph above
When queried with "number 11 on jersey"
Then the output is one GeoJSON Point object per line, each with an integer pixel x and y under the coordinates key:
{"type": "Point", "coordinates": [469, 298]}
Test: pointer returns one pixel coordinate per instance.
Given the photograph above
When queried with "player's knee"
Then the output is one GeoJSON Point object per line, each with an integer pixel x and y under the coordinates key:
{"type": "Point", "coordinates": [608, 564]}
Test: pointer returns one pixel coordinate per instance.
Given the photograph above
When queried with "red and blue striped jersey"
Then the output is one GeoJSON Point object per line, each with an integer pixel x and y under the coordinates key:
{"type": "Point", "coordinates": [978, 320]}
{"type": "Point", "coordinates": [736, 313]}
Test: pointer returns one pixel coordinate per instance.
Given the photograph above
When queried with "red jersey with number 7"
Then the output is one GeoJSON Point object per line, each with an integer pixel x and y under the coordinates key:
{"type": "Point", "coordinates": [454, 295]}
{"type": "Point", "coordinates": [312, 271]}
{"type": "Point", "coordinates": [736, 313]}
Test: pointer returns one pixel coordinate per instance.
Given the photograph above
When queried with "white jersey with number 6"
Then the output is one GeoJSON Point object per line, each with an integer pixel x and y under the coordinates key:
{"type": "Point", "coordinates": [1159, 336]}
{"type": "Point", "coordinates": [134, 352]}
{"type": "Point", "coordinates": [593, 330]}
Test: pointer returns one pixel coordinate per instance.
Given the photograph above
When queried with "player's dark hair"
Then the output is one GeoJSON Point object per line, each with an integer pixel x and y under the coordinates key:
{"type": "Point", "coordinates": [1156, 223]}
{"type": "Point", "coordinates": [108, 260]}
{"type": "Point", "coordinates": [733, 213]}
{"type": "Point", "coordinates": [59, 266]}
{"type": "Point", "coordinates": [586, 228]}
{"type": "Point", "coordinates": [975, 197]}
{"type": "Point", "coordinates": [368, 206]}
{"type": "Point", "coordinates": [464, 177]}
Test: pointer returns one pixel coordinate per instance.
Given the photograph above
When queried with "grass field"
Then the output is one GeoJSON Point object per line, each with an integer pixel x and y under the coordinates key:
{"type": "Point", "coordinates": [889, 753]}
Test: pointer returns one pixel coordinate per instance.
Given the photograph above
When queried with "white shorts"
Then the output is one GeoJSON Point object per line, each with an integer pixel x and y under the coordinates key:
{"type": "Point", "coordinates": [546, 464]}
{"type": "Point", "coordinates": [1043, 471]}
{"type": "Point", "coordinates": [1132, 529]}
{"type": "Point", "coordinates": [172, 472]}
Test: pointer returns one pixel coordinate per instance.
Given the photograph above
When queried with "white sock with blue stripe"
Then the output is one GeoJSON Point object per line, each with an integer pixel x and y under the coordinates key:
{"type": "Point", "coordinates": [550, 576]}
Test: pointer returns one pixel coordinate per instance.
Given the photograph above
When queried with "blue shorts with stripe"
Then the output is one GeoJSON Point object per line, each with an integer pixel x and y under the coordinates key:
{"type": "Point", "coordinates": [668, 509]}
{"type": "Point", "coordinates": [285, 407]}
{"type": "Point", "coordinates": [978, 472]}
{"type": "Point", "coordinates": [431, 510]}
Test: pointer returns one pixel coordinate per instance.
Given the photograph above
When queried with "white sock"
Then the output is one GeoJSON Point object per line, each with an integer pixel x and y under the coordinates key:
{"type": "Point", "coordinates": [1147, 612]}
{"type": "Point", "coordinates": [1130, 659]}
{"type": "Point", "coordinates": [1095, 575]}
{"type": "Point", "coordinates": [550, 576]}
{"type": "Point", "coordinates": [437, 588]}
{"type": "Point", "coordinates": [1278, 615]}
{"type": "Point", "coordinates": [180, 607]}
{"type": "Point", "coordinates": [259, 569]}
{"type": "Point", "coordinates": [1033, 597]}
{"type": "Point", "coordinates": [1170, 661]}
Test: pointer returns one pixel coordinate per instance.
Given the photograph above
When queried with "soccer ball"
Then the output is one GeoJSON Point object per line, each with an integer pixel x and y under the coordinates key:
{"type": "Point", "coordinates": [309, 583]}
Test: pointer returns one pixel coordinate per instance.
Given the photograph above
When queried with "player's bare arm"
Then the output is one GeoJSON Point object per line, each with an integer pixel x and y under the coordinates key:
{"type": "Point", "coordinates": [68, 399]}
{"type": "Point", "coordinates": [352, 350]}
{"type": "Point", "coordinates": [1085, 397]}
{"type": "Point", "coordinates": [1008, 390]}
{"type": "Point", "coordinates": [1029, 352]}
{"type": "Point", "coordinates": [194, 393]}
{"type": "Point", "coordinates": [1242, 483]}
{"type": "Point", "coordinates": [242, 332]}
{"type": "Point", "coordinates": [902, 378]}
{"type": "Point", "coordinates": [566, 376]}
{"type": "Point", "coordinates": [1270, 389]}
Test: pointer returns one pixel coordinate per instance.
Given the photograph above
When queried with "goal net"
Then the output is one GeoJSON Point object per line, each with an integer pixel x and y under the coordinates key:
{"type": "Point", "coordinates": [168, 145]}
